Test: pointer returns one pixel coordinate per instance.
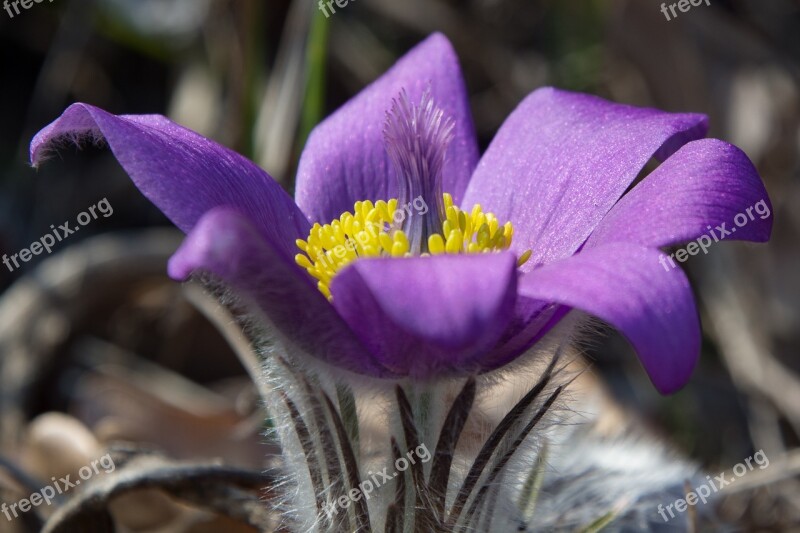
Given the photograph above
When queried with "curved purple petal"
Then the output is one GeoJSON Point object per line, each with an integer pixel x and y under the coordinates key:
{"type": "Point", "coordinates": [345, 160]}
{"type": "Point", "coordinates": [427, 316]}
{"type": "Point", "coordinates": [708, 187]}
{"type": "Point", "coordinates": [182, 172]}
{"type": "Point", "coordinates": [625, 285]}
{"type": "Point", "coordinates": [532, 319]}
{"type": "Point", "coordinates": [562, 160]}
{"type": "Point", "coordinates": [225, 244]}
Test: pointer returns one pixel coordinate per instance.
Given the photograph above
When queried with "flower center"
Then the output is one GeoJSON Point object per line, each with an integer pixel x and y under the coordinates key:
{"type": "Point", "coordinates": [369, 232]}
{"type": "Point", "coordinates": [416, 139]}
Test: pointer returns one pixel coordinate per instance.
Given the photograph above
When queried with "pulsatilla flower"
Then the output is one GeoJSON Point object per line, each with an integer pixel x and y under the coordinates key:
{"type": "Point", "coordinates": [406, 254]}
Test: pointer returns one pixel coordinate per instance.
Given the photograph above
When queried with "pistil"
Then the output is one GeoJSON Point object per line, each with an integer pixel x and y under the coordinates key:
{"type": "Point", "coordinates": [416, 138]}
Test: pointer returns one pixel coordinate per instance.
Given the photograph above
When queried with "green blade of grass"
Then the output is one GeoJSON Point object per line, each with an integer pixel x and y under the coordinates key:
{"type": "Point", "coordinates": [316, 56]}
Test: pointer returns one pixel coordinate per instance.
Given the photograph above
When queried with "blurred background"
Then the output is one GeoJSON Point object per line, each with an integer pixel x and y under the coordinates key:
{"type": "Point", "coordinates": [99, 349]}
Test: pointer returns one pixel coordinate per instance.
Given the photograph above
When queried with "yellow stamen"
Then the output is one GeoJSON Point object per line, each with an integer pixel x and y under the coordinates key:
{"type": "Point", "coordinates": [436, 244]}
{"type": "Point", "coordinates": [370, 231]}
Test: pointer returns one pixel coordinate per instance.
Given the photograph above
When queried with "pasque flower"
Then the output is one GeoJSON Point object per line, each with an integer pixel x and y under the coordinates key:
{"type": "Point", "coordinates": [459, 289]}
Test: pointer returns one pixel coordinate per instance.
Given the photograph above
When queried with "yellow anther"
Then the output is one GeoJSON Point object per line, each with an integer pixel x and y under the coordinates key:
{"type": "Point", "coordinates": [398, 250]}
{"type": "Point", "coordinates": [383, 209]}
{"type": "Point", "coordinates": [447, 228]}
{"type": "Point", "coordinates": [469, 229]}
{"type": "Point", "coordinates": [452, 215]}
{"type": "Point", "coordinates": [479, 219]}
{"type": "Point", "coordinates": [386, 242]}
{"type": "Point", "coordinates": [509, 232]}
{"type": "Point", "coordinates": [483, 236]}
{"type": "Point", "coordinates": [436, 244]}
{"type": "Point", "coordinates": [323, 288]}
{"type": "Point", "coordinates": [400, 246]}
{"type": "Point", "coordinates": [448, 201]}
{"type": "Point", "coordinates": [524, 258]}
{"type": "Point", "coordinates": [492, 221]}
{"type": "Point", "coordinates": [455, 242]}
{"type": "Point", "coordinates": [303, 261]}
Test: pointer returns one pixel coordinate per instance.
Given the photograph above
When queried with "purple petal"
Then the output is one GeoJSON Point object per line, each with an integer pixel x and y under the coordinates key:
{"type": "Point", "coordinates": [626, 286]}
{"type": "Point", "coordinates": [345, 160]}
{"type": "Point", "coordinates": [225, 244]}
{"type": "Point", "coordinates": [561, 161]}
{"type": "Point", "coordinates": [706, 183]}
{"type": "Point", "coordinates": [531, 320]}
{"type": "Point", "coordinates": [428, 316]}
{"type": "Point", "coordinates": [183, 173]}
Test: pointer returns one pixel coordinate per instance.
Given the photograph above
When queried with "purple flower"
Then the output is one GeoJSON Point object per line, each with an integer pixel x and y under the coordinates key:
{"type": "Point", "coordinates": [557, 171]}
